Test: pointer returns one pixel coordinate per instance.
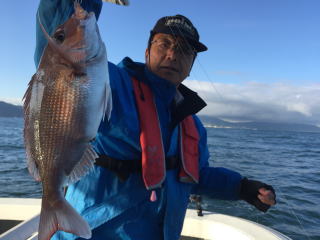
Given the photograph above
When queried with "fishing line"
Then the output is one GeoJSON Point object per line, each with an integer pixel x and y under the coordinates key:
{"type": "Point", "coordinates": [198, 61]}
{"type": "Point", "coordinates": [291, 210]}
{"type": "Point", "coordinates": [179, 44]}
{"type": "Point", "coordinates": [180, 47]}
{"type": "Point", "coordinates": [209, 80]}
{"type": "Point", "coordinates": [221, 97]}
{"type": "Point", "coordinates": [203, 69]}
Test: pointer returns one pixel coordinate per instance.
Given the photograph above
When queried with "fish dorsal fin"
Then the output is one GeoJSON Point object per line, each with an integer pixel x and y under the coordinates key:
{"type": "Point", "coordinates": [27, 96]}
{"type": "Point", "coordinates": [83, 167]}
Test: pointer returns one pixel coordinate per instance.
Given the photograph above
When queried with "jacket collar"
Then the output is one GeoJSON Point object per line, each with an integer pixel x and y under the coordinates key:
{"type": "Point", "coordinates": [161, 88]}
{"type": "Point", "coordinates": [190, 104]}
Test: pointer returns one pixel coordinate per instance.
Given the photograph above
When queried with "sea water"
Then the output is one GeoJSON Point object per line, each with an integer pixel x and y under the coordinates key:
{"type": "Point", "coordinates": [289, 161]}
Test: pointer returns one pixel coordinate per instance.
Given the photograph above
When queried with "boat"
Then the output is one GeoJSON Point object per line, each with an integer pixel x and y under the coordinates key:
{"type": "Point", "coordinates": [19, 219]}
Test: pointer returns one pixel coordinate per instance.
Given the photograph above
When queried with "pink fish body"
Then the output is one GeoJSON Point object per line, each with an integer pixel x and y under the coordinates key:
{"type": "Point", "coordinates": [65, 102]}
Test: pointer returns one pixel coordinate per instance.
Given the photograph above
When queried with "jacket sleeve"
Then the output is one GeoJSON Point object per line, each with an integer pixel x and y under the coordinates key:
{"type": "Point", "coordinates": [53, 13]}
{"type": "Point", "coordinates": [214, 182]}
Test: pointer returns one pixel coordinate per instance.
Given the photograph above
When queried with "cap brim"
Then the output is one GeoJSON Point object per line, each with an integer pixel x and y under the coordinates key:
{"type": "Point", "coordinates": [198, 46]}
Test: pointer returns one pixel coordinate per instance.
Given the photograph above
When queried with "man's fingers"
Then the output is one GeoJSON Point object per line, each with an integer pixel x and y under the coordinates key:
{"type": "Point", "coordinates": [266, 196]}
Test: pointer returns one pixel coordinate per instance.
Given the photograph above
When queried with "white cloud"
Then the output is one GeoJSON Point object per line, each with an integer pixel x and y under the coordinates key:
{"type": "Point", "coordinates": [260, 101]}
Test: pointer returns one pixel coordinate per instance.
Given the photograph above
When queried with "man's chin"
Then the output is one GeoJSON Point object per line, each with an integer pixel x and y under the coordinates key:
{"type": "Point", "coordinates": [169, 73]}
{"type": "Point", "coordinates": [170, 76]}
{"type": "Point", "coordinates": [173, 79]}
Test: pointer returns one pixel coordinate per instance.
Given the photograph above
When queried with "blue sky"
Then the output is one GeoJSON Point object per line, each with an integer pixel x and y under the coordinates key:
{"type": "Point", "coordinates": [265, 54]}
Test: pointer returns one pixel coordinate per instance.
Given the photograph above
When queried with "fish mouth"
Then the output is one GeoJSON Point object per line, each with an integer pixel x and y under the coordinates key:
{"type": "Point", "coordinates": [79, 12]}
{"type": "Point", "coordinates": [77, 49]}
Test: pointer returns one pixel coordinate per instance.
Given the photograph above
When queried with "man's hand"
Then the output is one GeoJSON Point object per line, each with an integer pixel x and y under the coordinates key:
{"type": "Point", "coordinates": [267, 196]}
{"type": "Point", "coordinates": [259, 194]}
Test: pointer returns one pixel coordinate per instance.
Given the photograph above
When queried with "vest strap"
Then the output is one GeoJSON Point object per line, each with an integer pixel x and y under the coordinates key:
{"type": "Point", "coordinates": [123, 168]}
{"type": "Point", "coordinates": [153, 155]}
{"type": "Point", "coordinates": [153, 158]}
{"type": "Point", "coordinates": [189, 152]}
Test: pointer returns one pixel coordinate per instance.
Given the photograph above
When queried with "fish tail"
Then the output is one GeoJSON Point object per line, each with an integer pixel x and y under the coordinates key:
{"type": "Point", "coordinates": [61, 216]}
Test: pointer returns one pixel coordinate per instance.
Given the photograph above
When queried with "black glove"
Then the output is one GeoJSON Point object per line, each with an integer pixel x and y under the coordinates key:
{"type": "Point", "coordinates": [249, 192]}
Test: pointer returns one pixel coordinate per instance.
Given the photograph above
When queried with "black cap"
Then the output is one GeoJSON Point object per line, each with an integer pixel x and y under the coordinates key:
{"type": "Point", "coordinates": [179, 25]}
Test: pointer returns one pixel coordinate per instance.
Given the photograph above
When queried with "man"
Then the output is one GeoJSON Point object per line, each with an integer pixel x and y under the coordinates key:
{"type": "Point", "coordinates": [153, 149]}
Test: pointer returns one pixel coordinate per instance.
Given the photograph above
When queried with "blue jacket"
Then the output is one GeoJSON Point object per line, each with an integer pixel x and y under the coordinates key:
{"type": "Point", "coordinates": [116, 209]}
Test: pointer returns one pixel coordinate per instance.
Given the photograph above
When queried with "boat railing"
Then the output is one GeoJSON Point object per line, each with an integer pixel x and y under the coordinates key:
{"type": "Point", "coordinates": [26, 230]}
{"type": "Point", "coordinates": [19, 218]}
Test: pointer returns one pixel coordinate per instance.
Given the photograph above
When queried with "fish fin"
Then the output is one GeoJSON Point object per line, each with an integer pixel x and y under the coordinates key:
{"type": "Point", "coordinates": [27, 96]}
{"type": "Point", "coordinates": [107, 102]}
{"type": "Point", "coordinates": [62, 216]}
{"type": "Point", "coordinates": [83, 167]}
{"type": "Point", "coordinates": [119, 2]}
{"type": "Point", "coordinates": [33, 169]}
{"type": "Point", "coordinates": [35, 82]}
{"type": "Point", "coordinates": [32, 165]}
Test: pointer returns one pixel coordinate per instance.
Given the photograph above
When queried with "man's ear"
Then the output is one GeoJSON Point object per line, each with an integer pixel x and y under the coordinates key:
{"type": "Point", "coordinates": [146, 55]}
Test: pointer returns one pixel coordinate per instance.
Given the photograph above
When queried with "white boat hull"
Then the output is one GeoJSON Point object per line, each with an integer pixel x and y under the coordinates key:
{"type": "Point", "coordinates": [215, 226]}
{"type": "Point", "coordinates": [211, 226]}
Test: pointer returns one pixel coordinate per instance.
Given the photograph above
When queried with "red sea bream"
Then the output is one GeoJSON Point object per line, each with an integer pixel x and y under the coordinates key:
{"type": "Point", "coordinates": [65, 102]}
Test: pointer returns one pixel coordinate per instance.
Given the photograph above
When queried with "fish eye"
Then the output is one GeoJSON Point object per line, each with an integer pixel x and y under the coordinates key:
{"type": "Point", "coordinates": [59, 36]}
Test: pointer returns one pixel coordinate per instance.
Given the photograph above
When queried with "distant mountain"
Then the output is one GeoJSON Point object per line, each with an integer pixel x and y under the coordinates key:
{"type": "Point", "coordinates": [10, 110]}
{"type": "Point", "coordinates": [209, 121]}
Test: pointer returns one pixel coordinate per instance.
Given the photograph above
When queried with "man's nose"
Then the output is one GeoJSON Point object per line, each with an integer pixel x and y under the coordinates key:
{"type": "Point", "coordinates": [172, 53]}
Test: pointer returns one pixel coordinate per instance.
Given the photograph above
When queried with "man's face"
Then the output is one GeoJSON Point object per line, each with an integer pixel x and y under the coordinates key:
{"type": "Point", "coordinates": [170, 58]}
